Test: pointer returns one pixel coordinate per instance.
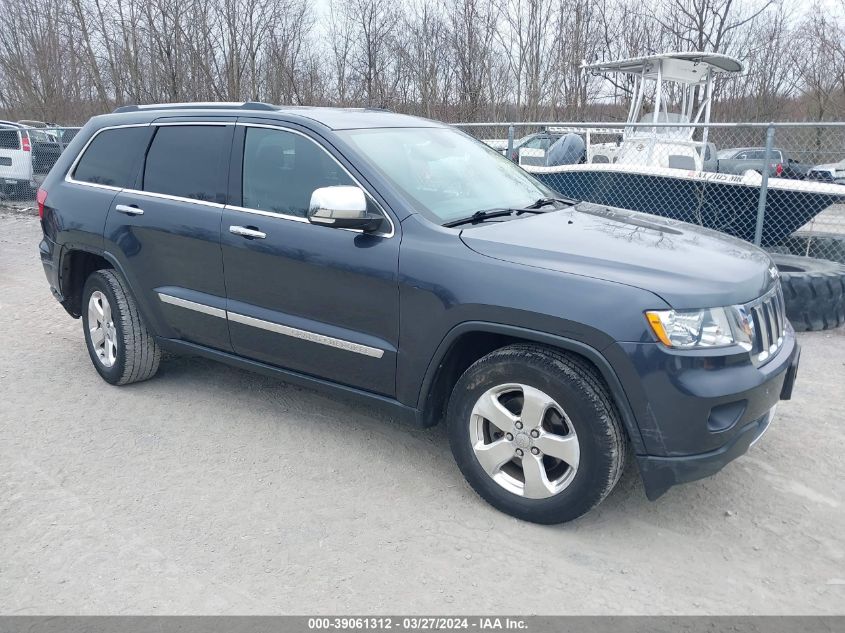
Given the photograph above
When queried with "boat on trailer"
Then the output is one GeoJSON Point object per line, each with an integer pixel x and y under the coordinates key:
{"type": "Point", "coordinates": [666, 165]}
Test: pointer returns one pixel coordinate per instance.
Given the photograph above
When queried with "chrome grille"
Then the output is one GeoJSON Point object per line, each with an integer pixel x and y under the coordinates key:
{"type": "Point", "coordinates": [769, 316]}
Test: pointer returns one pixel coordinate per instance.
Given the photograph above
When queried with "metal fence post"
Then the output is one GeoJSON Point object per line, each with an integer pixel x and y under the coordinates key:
{"type": "Point", "coordinates": [510, 141]}
{"type": "Point", "coordinates": [764, 186]}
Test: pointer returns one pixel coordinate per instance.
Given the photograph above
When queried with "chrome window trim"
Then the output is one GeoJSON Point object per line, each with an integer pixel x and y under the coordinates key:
{"type": "Point", "coordinates": [269, 214]}
{"type": "Point", "coordinates": [277, 328]}
{"type": "Point", "coordinates": [296, 218]}
{"type": "Point", "coordinates": [192, 305]}
{"type": "Point", "coordinates": [69, 175]}
{"type": "Point", "coordinates": [167, 196]}
{"type": "Point", "coordinates": [306, 335]}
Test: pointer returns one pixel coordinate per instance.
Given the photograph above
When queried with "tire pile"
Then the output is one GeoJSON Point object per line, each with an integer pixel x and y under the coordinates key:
{"type": "Point", "coordinates": [814, 291]}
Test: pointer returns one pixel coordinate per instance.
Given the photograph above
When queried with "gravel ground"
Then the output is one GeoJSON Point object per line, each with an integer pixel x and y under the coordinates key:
{"type": "Point", "coordinates": [211, 490]}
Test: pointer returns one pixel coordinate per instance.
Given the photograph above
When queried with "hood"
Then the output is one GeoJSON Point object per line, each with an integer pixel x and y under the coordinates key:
{"type": "Point", "coordinates": [686, 265]}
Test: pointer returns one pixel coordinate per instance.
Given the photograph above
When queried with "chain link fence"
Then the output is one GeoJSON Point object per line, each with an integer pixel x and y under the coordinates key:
{"type": "Point", "coordinates": [26, 156]}
{"type": "Point", "coordinates": [781, 186]}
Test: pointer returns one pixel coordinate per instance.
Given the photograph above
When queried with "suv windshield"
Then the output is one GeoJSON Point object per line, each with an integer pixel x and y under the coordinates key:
{"type": "Point", "coordinates": [447, 174]}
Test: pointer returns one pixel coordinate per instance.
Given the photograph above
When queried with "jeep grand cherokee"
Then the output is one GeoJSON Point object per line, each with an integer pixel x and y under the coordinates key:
{"type": "Point", "coordinates": [396, 260]}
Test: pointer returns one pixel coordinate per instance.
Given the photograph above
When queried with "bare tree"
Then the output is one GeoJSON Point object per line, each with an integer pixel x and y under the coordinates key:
{"type": "Point", "coordinates": [65, 60]}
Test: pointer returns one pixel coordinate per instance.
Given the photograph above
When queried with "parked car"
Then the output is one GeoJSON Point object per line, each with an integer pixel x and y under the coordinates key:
{"type": "Point", "coordinates": [48, 129]}
{"type": "Point", "coordinates": [26, 155]}
{"type": "Point", "coordinates": [828, 172]}
{"type": "Point", "coordinates": [16, 176]}
{"type": "Point", "coordinates": [739, 160]}
{"type": "Point", "coordinates": [45, 152]}
{"type": "Point", "coordinates": [398, 261]}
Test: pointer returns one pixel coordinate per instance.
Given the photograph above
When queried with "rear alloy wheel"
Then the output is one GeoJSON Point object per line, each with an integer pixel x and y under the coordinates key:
{"type": "Point", "coordinates": [120, 346]}
{"type": "Point", "coordinates": [101, 329]}
{"type": "Point", "coordinates": [535, 432]}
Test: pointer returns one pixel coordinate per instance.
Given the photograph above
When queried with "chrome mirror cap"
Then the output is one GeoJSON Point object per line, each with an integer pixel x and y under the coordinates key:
{"type": "Point", "coordinates": [342, 207]}
{"type": "Point", "coordinates": [332, 203]}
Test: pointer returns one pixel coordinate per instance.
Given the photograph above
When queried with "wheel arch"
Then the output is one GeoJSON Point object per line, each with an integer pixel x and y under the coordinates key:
{"type": "Point", "coordinates": [77, 263]}
{"type": "Point", "coordinates": [76, 266]}
{"type": "Point", "coordinates": [471, 340]}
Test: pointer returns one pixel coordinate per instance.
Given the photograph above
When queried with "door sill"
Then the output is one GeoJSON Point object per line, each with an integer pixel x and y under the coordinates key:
{"type": "Point", "coordinates": [385, 404]}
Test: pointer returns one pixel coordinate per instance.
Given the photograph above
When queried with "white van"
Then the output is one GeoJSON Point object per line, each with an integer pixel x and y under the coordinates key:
{"type": "Point", "coordinates": [16, 177]}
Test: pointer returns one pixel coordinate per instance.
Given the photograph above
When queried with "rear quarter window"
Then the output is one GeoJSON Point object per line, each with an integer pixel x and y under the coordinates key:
{"type": "Point", "coordinates": [10, 139]}
{"type": "Point", "coordinates": [112, 157]}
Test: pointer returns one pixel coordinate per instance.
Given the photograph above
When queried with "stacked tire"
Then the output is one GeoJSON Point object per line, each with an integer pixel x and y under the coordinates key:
{"type": "Point", "coordinates": [814, 291]}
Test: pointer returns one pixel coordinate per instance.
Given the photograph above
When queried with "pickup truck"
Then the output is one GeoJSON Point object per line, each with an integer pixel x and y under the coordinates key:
{"type": "Point", "coordinates": [738, 160]}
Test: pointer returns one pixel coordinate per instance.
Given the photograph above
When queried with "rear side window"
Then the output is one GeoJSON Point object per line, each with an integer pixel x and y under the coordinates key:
{"type": "Point", "coordinates": [111, 158]}
{"type": "Point", "coordinates": [187, 161]}
{"type": "Point", "coordinates": [10, 139]}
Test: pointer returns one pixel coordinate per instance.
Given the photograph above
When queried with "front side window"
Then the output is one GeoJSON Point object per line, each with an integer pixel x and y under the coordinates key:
{"type": "Point", "coordinates": [188, 161]}
{"type": "Point", "coordinates": [444, 173]}
{"type": "Point", "coordinates": [282, 169]}
{"type": "Point", "coordinates": [111, 158]}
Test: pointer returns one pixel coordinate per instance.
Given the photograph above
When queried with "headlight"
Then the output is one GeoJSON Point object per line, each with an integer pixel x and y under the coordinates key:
{"type": "Point", "coordinates": [708, 327]}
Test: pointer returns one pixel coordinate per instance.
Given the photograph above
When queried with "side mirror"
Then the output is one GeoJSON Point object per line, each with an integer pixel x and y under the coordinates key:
{"type": "Point", "coordinates": [342, 208]}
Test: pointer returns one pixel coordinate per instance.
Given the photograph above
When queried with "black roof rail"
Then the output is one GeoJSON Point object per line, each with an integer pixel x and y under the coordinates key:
{"type": "Point", "coordinates": [214, 105]}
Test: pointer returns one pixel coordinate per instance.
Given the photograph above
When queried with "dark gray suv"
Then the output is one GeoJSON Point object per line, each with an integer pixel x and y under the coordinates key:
{"type": "Point", "coordinates": [398, 261]}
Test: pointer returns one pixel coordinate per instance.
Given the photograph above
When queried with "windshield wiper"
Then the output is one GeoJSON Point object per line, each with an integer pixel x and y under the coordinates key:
{"type": "Point", "coordinates": [534, 207]}
{"type": "Point", "coordinates": [542, 202]}
{"type": "Point", "coordinates": [480, 216]}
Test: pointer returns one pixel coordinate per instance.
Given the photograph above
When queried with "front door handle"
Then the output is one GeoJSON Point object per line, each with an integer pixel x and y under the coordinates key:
{"type": "Point", "coordinates": [129, 209]}
{"type": "Point", "coordinates": [247, 232]}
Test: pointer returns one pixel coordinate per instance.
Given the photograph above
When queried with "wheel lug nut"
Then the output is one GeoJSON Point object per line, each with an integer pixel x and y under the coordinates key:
{"type": "Point", "coordinates": [535, 433]}
{"type": "Point", "coordinates": [535, 450]}
{"type": "Point", "coordinates": [518, 425]}
{"type": "Point", "coordinates": [510, 437]}
{"type": "Point", "coordinates": [519, 452]}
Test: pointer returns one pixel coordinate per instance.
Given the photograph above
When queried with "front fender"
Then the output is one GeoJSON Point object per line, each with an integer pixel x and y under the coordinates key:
{"type": "Point", "coordinates": [595, 356]}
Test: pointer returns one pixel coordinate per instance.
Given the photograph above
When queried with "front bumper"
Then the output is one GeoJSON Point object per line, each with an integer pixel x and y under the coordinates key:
{"type": "Point", "coordinates": [661, 473]}
{"type": "Point", "coordinates": [696, 413]}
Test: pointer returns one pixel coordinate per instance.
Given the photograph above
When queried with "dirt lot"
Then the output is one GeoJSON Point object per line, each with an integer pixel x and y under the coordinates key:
{"type": "Point", "coordinates": [211, 490]}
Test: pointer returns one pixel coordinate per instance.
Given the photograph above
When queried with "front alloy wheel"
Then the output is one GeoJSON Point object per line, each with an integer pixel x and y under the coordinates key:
{"type": "Point", "coordinates": [524, 441]}
{"type": "Point", "coordinates": [536, 433]}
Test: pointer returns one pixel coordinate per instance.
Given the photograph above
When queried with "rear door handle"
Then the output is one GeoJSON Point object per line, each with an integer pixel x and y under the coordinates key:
{"type": "Point", "coordinates": [247, 232]}
{"type": "Point", "coordinates": [129, 209]}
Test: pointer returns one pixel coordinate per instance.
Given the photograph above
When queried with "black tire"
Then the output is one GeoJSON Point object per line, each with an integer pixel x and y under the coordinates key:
{"type": "Point", "coordinates": [138, 354]}
{"type": "Point", "coordinates": [578, 388]}
{"type": "Point", "coordinates": [814, 291]}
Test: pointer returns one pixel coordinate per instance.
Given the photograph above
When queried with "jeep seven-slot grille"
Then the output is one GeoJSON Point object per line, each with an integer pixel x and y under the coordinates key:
{"type": "Point", "coordinates": [769, 318]}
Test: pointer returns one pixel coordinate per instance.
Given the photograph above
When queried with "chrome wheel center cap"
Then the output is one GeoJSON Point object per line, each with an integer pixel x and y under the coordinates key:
{"type": "Point", "coordinates": [522, 440]}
